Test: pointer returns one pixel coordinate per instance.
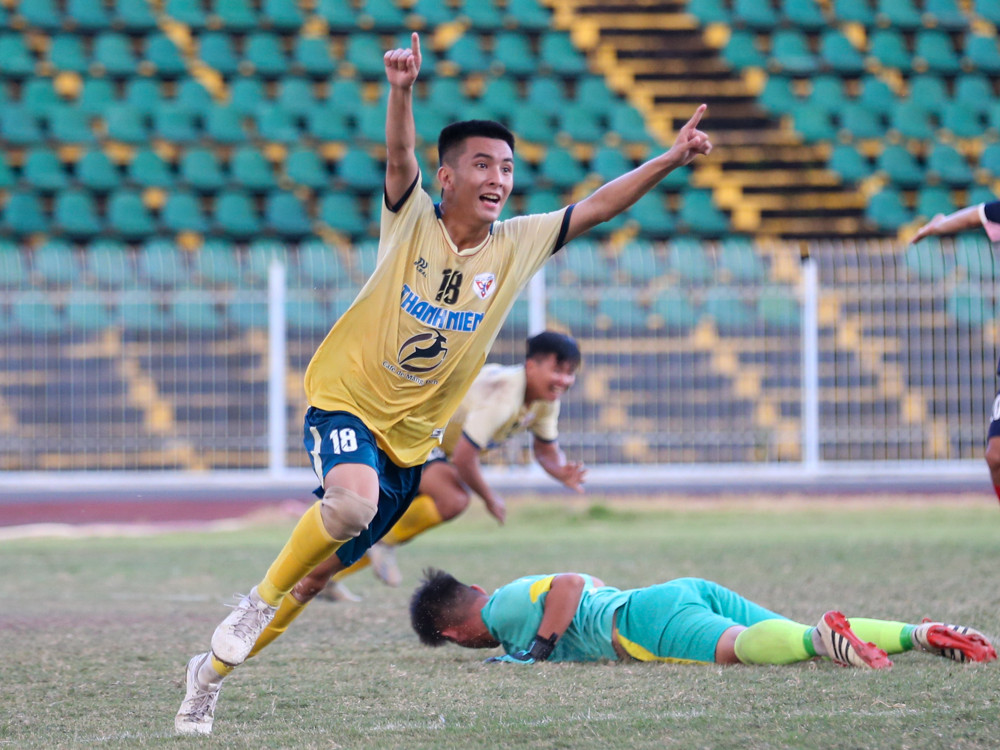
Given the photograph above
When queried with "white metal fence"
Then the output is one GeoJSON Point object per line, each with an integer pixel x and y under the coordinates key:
{"type": "Point", "coordinates": [696, 355]}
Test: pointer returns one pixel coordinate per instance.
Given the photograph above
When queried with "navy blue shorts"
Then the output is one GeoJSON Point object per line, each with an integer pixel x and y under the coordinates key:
{"type": "Point", "coordinates": [338, 437]}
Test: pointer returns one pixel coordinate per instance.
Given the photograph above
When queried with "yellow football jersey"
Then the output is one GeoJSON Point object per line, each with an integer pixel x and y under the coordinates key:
{"type": "Point", "coordinates": [406, 351]}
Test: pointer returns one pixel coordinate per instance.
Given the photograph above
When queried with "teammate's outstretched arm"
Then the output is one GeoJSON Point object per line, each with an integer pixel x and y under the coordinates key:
{"type": "Point", "coordinates": [466, 460]}
{"type": "Point", "coordinates": [959, 221]}
{"type": "Point", "coordinates": [551, 458]}
{"type": "Point", "coordinates": [401, 69]}
{"type": "Point", "coordinates": [614, 197]}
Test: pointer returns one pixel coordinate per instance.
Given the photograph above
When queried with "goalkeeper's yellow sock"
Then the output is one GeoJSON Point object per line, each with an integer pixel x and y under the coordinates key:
{"type": "Point", "coordinates": [308, 546]}
{"type": "Point", "coordinates": [290, 609]}
{"type": "Point", "coordinates": [891, 637]}
{"type": "Point", "coordinates": [418, 518]}
{"type": "Point", "coordinates": [774, 642]}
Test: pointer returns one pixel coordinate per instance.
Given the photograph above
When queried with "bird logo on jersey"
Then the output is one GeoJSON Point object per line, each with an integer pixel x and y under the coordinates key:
{"type": "Point", "coordinates": [417, 356]}
{"type": "Point", "coordinates": [484, 283]}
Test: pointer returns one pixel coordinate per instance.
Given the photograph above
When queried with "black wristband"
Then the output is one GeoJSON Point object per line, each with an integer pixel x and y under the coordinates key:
{"type": "Point", "coordinates": [541, 648]}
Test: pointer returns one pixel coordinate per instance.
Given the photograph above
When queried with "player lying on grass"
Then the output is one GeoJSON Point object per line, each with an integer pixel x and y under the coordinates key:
{"type": "Point", "coordinates": [502, 402]}
{"type": "Point", "coordinates": [391, 372]}
{"type": "Point", "coordinates": [986, 215]}
{"type": "Point", "coordinates": [574, 617]}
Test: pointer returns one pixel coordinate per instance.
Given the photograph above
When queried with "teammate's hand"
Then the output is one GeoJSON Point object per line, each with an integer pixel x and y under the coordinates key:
{"type": "Point", "coordinates": [402, 65]}
{"type": "Point", "coordinates": [690, 141]}
{"type": "Point", "coordinates": [928, 229]}
{"type": "Point", "coordinates": [573, 474]}
{"type": "Point", "coordinates": [518, 657]}
{"type": "Point", "coordinates": [497, 508]}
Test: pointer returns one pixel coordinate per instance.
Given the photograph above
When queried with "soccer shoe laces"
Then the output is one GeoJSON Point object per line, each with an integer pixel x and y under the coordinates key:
{"type": "Point", "coordinates": [251, 617]}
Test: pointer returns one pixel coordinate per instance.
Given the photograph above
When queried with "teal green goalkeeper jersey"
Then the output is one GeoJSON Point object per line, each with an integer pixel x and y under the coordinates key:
{"type": "Point", "coordinates": [514, 613]}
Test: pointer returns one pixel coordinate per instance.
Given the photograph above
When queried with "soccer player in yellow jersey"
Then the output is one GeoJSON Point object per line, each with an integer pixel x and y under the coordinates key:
{"type": "Point", "coordinates": [502, 402]}
{"type": "Point", "coordinates": [394, 368]}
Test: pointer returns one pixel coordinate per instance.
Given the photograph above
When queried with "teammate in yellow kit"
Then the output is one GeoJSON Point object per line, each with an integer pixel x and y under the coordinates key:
{"type": "Point", "coordinates": [395, 367]}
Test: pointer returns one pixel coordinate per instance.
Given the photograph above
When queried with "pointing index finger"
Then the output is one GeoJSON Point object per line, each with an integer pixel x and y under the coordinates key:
{"type": "Point", "coordinates": [696, 117]}
{"type": "Point", "coordinates": [415, 45]}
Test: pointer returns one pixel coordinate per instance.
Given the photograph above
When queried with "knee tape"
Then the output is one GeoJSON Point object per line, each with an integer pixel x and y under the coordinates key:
{"type": "Point", "coordinates": [346, 513]}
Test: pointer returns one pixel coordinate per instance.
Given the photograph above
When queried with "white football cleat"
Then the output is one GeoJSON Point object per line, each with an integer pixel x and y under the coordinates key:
{"type": "Point", "coordinates": [233, 640]}
{"type": "Point", "coordinates": [197, 711]}
{"type": "Point", "coordinates": [382, 557]}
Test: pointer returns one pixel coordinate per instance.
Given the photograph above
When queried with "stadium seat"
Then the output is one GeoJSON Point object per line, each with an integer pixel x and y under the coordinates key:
{"type": "Point", "coordinates": [70, 125]}
{"type": "Point", "coordinates": [340, 211]}
{"type": "Point", "coordinates": [160, 264]}
{"type": "Point", "coordinates": [286, 215]}
{"type": "Point", "coordinates": [847, 162]}
{"type": "Point", "coordinates": [66, 53]}
{"type": "Point", "coordinates": [234, 214]}
{"type": "Point", "coordinates": [148, 169]}
{"type": "Point", "coordinates": [543, 92]}
{"type": "Point", "coordinates": [263, 51]}
{"type": "Point", "coordinates": [974, 256]}
{"type": "Point", "coordinates": [250, 170]}
{"type": "Point", "coordinates": [128, 216]}
{"type": "Point", "coordinates": [857, 11]}
{"type": "Point", "coordinates": [948, 165]}
{"type": "Point", "coordinates": [224, 125]}
{"type": "Point", "coordinates": [578, 124]}
{"type": "Point", "coordinates": [328, 123]}
{"type": "Point", "coordinates": [23, 213]}
{"type": "Point", "coordinates": [640, 262]}
{"type": "Point", "coordinates": [16, 60]}
{"type": "Point", "coordinates": [887, 48]}
{"type": "Point", "coordinates": [33, 313]}
{"type": "Point", "coordinates": [75, 215]}
{"type": "Point", "coordinates": [755, 15]}
{"type": "Point", "coordinates": [55, 264]}
{"type": "Point", "coordinates": [113, 55]}
{"type": "Point", "coordinates": [728, 309]}
{"type": "Point", "coordinates": [200, 170]}
{"type": "Point", "coordinates": [183, 212]}
{"type": "Point", "coordinates": [928, 92]}
{"type": "Point", "coordinates": [283, 15]}
{"type": "Point", "coordinates": [975, 91]}
{"type": "Point", "coordinates": [652, 216]}
{"type": "Point", "coordinates": [42, 170]}
{"type": "Point", "coordinates": [175, 123]}
{"type": "Point", "coordinates": [990, 159]}
{"type": "Point", "coordinates": [467, 56]}
{"type": "Point", "coordinates": [358, 171]}
{"type": "Point", "coordinates": [739, 261]}
{"type": "Point", "coordinates": [557, 54]}
{"type": "Point", "coordinates": [107, 264]}
{"type": "Point", "coordinates": [216, 264]}
{"type": "Point", "coordinates": [126, 124]}
{"type": "Point", "coordinates": [962, 121]}
{"type": "Point", "coordinates": [96, 94]}
{"type": "Point", "coordinates": [512, 51]}
{"type": "Point", "coordinates": [526, 15]}
{"type": "Point", "coordinates": [570, 311]}
{"type": "Point", "coordinates": [628, 124]}
{"type": "Point", "coordinates": [970, 307]}
{"type": "Point", "coordinates": [689, 261]}
{"type": "Point", "coordinates": [260, 254]}
{"type": "Point", "coordinates": [859, 122]}
{"type": "Point", "coordinates": [813, 124]}
{"type": "Point", "coordinates": [911, 120]}
{"type": "Point", "coordinates": [246, 95]}
{"type": "Point", "coordinates": [312, 57]}
{"type": "Point", "coordinates": [900, 166]}
{"type": "Point", "coordinates": [304, 167]}
{"type": "Point", "coordinates": [608, 163]}
{"type": "Point", "coordinates": [593, 93]}
{"type": "Point", "coordinates": [139, 315]}
{"type": "Point", "coordinates": [235, 15]}
{"type": "Point", "coordinates": [87, 312]}
{"type": "Point", "coordinates": [40, 14]}
{"type": "Point", "coordinates": [741, 50]}
{"type": "Point", "coordinates": [7, 178]}
{"type": "Point", "coordinates": [790, 53]}
{"type": "Point", "coordinates": [945, 14]}
{"type": "Point", "coordinates": [188, 12]}
{"type": "Point", "coordinates": [340, 15]}
{"type": "Point", "coordinates": [674, 311]}
{"type": "Point", "coordinates": [38, 96]}
{"type": "Point", "coordinates": [886, 211]}
{"type": "Point", "coordinates": [191, 310]}
{"type": "Point", "coordinates": [934, 52]}
{"type": "Point", "coordinates": [18, 127]}
{"type": "Point", "coordinates": [318, 265]}
{"type": "Point", "coordinates": [216, 50]}
{"type": "Point", "coordinates": [925, 261]}
{"type": "Point", "coordinates": [620, 315]}
{"type": "Point", "coordinates": [164, 56]}
{"type": "Point", "coordinates": [900, 14]}
{"type": "Point", "coordinates": [133, 16]}
{"type": "Point", "coordinates": [143, 94]}
{"type": "Point", "coordinates": [827, 93]}
{"type": "Point", "coordinates": [297, 96]}
{"type": "Point", "coordinates": [13, 268]}
{"type": "Point", "coordinates": [803, 14]}
{"type": "Point", "coordinates": [560, 170]}
{"type": "Point", "coordinates": [778, 310]}
{"type": "Point", "coordinates": [777, 96]}
{"type": "Point", "coordinates": [364, 52]}
{"type": "Point", "coordinates": [837, 53]}
{"type": "Point", "coordinates": [700, 215]}
{"type": "Point", "coordinates": [933, 200]}
{"type": "Point", "coordinates": [276, 125]}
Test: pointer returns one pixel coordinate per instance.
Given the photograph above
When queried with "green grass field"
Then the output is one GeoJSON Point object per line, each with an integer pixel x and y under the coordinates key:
{"type": "Point", "coordinates": [94, 635]}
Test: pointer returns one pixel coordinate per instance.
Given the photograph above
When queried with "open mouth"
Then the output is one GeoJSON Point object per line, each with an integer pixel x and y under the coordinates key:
{"type": "Point", "coordinates": [491, 199]}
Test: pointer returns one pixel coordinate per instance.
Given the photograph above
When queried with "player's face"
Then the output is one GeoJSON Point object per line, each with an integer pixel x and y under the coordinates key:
{"type": "Point", "coordinates": [478, 181]}
{"type": "Point", "coordinates": [547, 378]}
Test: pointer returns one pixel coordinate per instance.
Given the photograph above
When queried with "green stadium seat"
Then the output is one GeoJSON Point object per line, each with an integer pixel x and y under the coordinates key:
{"type": "Point", "coordinates": [340, 15]}
{"type": "Point", "coordinates": [557, 54]}
{"type": "Point", "coordinates": [790, 53]}
{"type": "Point", "coordinates": [640, 262]}
{"type": "Point", "coordinates": [803, 14]}
{"type": "Point", "coordinates": [585, 263]}
{"type": "Point", "coordinates": [44, 15]}
{"type": "Point", "coordinates": [933, 51]}
{"type": "Point", "coordinates": [125, 123]}
{"type": "Point", "coordinates": [128, 216]}
{"type": "Point", "coordinates": [813, 124]}
{"type": "Point", "coordinates": [980, 194]}
{"type": "Point", "coordinates": [307, 314]}
{"type": "Point", "coordinates": [628, 123]}
{"type": "Point", "coordinates": [754, 15]}
{"type": "Point", "coordinates": [948, 165]}
{"type": "Point", "coordinates": [304, 167]}
{"type": "Point", "coordinates": [945, 14]}
{"type": "Point", "coordinates": [318, 265]}
{"type": "Point", "coordinates": [358, 171]}
{"type": "Point", "coordinates": [380, 15]}
{"type": "Point", "coordinates": [143, 94]}
{"type": "Point", "coordinates": [113, 54]}
{"type": "Point", "coordinates": [328, 123]}
{"type": "Point", "coordinates": [429, 125]}
{"type": "Point", "coordinates": [710, 11]}
{"type": "Point", "coordinates": [148, 169]}
{"type": "Point", "coordinates": [365, 53]}
{"type": "Point", "coordinates": [191, 310]}
{"type": "Point", "coordinates": [160, 264]}
{"type": "Point", "coordinates": [622, 315]}
{"type": "Point", "coordinates": [530, 124]}
{"type": "Point", "coordinates": [175, 123]}
{"type": "Point", "coordinates": [340, 211]}
{"type": "Point", "coordinates": [467, 55]}
{"type": "Point", "coordinates": [16, 60]}
{"type": "Point", "coordinates": [674, 311]}
{"type": "Point", "coordinates": [480, 16]}
{"type": "Point", "coordinates": [66, 54]}
{"type": "Point", "coordinates": [911, 120]}
{"type": "Point", "coordinates": [183, 212]}
{"type": "Point", "coordinates": [224, 125]}
{"type": "Point", "coordinates": [260, 254]}
{"type": "Point", "coordinates": [542, 201]}
{"type": "Point", "coordinates": [777, 96]}
{"type": "Point", "coordinates": [827, 93]}
{"type": "Point", "coordinates": [990, 159]}
{"type": "Point", "coordinates": [18, 127]}
{"type": "Point", "coordinates": [962, 121]}
{"type": "Point", "coordinates": [933, 200]}
{"type": "Point", "coordinates": [778, 310]}
{"type": "Point", "coordinates": [900, 166]}
{"type": "Point", "coordinates": [13, 268]}
{"type": "Point", "coordinates": [86, 311]}
{"type": "Point", "coordinates": [193, 97]}
{"type": "Point", "coordinates": [188, 12]}
{"type": "Point", "coordinates": [217, 264]}
{"type": "Point", "coordinates": [107, 264]}
{"type": "Point", "coordinates": [572, 312]}
{"type": "Point", "coordinates": [38, 96]}
{"type": "Point", "coordinates": [858, 122]}
{"type": "Point", "coordinates": [970, 307]}
{"type": "Point", "coordinates": [974, 256]}
{"type": "Point", "coordinates": [133, 16]}
{"type": "Point", "coordinates": [876, 95]}
{"type": "Point", "coordinates": [70, 125]}
{"type": "Point", "coordinates": [23, 213]}
{"type": "Point", "coordinates": [312, 57]}
{"type": "Point", "coordinates": [928, 92]}
{"type": "Point", "coordinates": [689, 261]}
{"type": "Point", "coordinates": [263, 50]}
{"type": "Point", "coordinates": [43, 171]}
{"type": "Point", "coordinates": [512, 51]}
{"type": "Point", "coordinates": [139, 314]}
{"type": "Point", "coordinates": [216, 50]}
{"type": "Point", "coordinates": [200, 170]}
{"type": "Point", "coordinates": [428, 14]}
{"type": "Point", "coordinates": [851, 165]}
{"type": "Point", "coordinates": [741, 50]}
{"type": "Point", "coordinates": [247, 313]}
{"type": "Point", "coordinates": [276, 125]}
{"type": "Point", "coordinates": [608, 163]}
{"type": "Point", "coordinates": [544, 93]}
{"type": "Point", "coordinates": [988, 10]}
{"type": "Point", "coordinates": [900, 14]}
{"type": "Point", "coordinates": [652, 216]}
{"type": "Point", "coordinates": [286, 215]}
{"type": "Point", "coordinates": [235, 215]}
{"type": "Point", "coordinates": [886, 211]}
{"type": "Point", "coordinates": [856, 11]}
{"type": "Point", "coordinates": [96, 94]}
{"type": "Point", "coordinates": [974, 90]}
{"type": "Point", "coordinates": [560, 169]}
{"type": "Point", "coordinates": [55, 263]}
{"type": "Point", "coordinates": [33, 313]}
{"type": "Point", "coordinates": [7, 178]}
{"type": "Point", "coordinates": [247, 95]}
{"type": "Point", "coordinates": [235, 15]}
{"type": "Point", "coordinates": [75, 215]}
{"type": "Point", "coordinates": [739, 260]}
{"type": "Point", "coordinates": [250, 170]}
{"type": "Point", "coordinates": [363, 258]}
{"type": "Point", "coordinates": [700, 215]}
{"type": "Point", "coordinates": [837, 53]}
{"type": "Point", "coordinates": [592, 92]}
{"type": "Point", "coordinates": [728, 309]}
{"type": "Point", "coordinates": [578, 124]}
{"type": "Point", "coordinates": [888, 48]}
{"type": "Point", "coordinates": [283, 15]}
{"type": "Point", "coordinates": [526, 15]}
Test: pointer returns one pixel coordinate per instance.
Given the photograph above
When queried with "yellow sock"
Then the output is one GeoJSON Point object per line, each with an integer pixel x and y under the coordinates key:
{"type": "Point", "coordinates": [773, 642]}
{"type": "Point", "coordinates": [361, 564]}
{"type": "Point", "coordinates": [290, 609]}
{"type": "Point", "coordinates": [308, 546]}
{"type": "Point", "coordinates": [221, 667]}
{"type": "Point", "coordinates": [420, 516]}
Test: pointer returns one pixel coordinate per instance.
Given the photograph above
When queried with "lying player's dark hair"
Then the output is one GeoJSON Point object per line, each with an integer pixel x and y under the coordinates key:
{"type": "Point", "coordinates": [433, 603]}
{"type": "Point", "coordinates": [454, 135]}
{"type": "Point", "coordinates": [552, 342]}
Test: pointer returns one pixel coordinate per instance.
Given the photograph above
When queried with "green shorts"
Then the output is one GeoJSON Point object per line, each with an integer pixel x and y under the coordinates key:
{"type": "Point", "coordinates": [682, 620]}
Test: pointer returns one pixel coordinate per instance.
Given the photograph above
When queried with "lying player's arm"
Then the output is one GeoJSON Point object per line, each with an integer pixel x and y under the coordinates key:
{"type": "Point", "coordinates": [959, 221]}
{"type": "Point", "coordinates": [611, 199]}
{"type": "Point", "coordinates": [559, 610]}
{"type": "Point", "coordinates": [401, 69]}
{"type": "Point", "coordinates": [551, 458]}
{"type": "Point", "coordinates": [465, 457]}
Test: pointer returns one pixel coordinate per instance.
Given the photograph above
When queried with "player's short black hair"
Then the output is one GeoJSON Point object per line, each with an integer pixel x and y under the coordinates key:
{"type": "Point", "coordinates": [454, 135]}
{"type": "Point", "coordinates": [437, 604]}
{"type": "Point", "coordinates": [553, 342]}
